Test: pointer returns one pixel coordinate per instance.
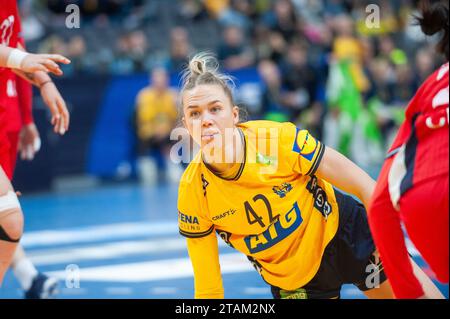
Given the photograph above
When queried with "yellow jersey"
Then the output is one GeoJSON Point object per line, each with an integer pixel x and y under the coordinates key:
{"type": "Point", "coordinates": [274, 210]}
{"type": "Point", "coordinates": [156, 112]}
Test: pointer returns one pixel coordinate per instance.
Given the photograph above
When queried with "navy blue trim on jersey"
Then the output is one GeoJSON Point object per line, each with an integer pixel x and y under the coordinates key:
{"type": "Point", "coordinates": [197, 235]}
{"type": "Point", "coordinates": [316, 163]}
{"type": "Point", "coordinates": [241, 167]}
{"type": "Point", "coordinates": [410, 158]}
{"type": "Point", "coordinates": [393, 152]}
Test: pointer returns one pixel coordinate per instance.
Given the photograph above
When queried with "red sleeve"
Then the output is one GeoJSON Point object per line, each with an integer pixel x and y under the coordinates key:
{"type": "Point", "coordinates": [17, 25]}
{"type": "Point", "coordinates": [387, 233]}
{"type": "Point", "coordinates": [25, 96]}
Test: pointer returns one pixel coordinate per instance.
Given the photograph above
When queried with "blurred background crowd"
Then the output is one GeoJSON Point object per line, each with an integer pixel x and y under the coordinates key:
{"type": "Point", "coordinates": [325, 65]}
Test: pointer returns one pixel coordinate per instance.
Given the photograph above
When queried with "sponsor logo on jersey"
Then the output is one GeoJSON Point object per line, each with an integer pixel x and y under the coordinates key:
{"type": "Point", "coordinates": [282, 190]}
{"type": "Point", "coordinates": [224, 214]}
{"type": "Point", "coordinates": [285, 225]}
{"type": "Point", "coordinates": [187, 218]}
{"type": "Point", "coordinates": [320, 197]}
{"type": "Point", "coordinates": [305, 145]}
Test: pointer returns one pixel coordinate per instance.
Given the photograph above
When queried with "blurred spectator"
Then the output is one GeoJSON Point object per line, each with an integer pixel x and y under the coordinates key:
{"type": "Point", "coordinates": [334, 8]}
{"type": "Point", "coordinates": [347, 47]}
{"type": "Point", "coordinates": [216, 7]}
{"type": "Point", "coordinates": [272, 100]}
{"type": "Point", "coordinates": [424, 64]}
{"type": "Point", "coordinates": [155, 118]}
{"type": "Point", "coordinates": [180, 49]}
{"type": "Point", "coordinates": [301, 84]}
{"type": "Point", "coordinates": [54, 44]}
{"type": "Point", "coordinates": [138, 50]}
{"type": "Point", "coordinates": [239, 14]}
{"type": "Point", "coordinates": [192, 10]}
{"type": "Point", "coordinates": [233, 51]}
{"type": "Point", "coordinates": [405, 85]}
{"type": "Point", "coordinates": [122, 63]}
{"type": "Point", "coordinates": [260, 44]}
{"type": "Point", "coordinates": [76, 52]}
{"type": "Point", "coordinates": [283, 19]}
{"type": "Point", "coordinates": [309, 10]}
{"type": "Point", "coordinates": [368, 49]}
{"type": "Point", "coordinates": [131, 54]}
{"type": "Point", "coordinates": [389, 50]}
{"type": "Point", "coordinates": [386, 47]}
{"type": "Point", "coordinates": [383, 80]}
{"type": "Point", "coordinates": [299, 79]}
{"type": "Point", "coordinates": [31, 26]}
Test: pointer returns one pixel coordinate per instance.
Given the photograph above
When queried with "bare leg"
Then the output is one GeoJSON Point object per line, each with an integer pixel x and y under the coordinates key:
{"type": "Point", "coordinates": [19, 254]}
{"type": "Point", "coordinates": [11, 223]}
{"type": "Point", "coordinates": [23, 268]}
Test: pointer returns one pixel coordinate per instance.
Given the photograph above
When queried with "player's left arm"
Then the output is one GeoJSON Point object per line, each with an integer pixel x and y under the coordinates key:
{"type": "Point", "coordinates": [346, 175]}
{"type": "Point", "coordinates": [51, 96]}
{"type": "Point", "coordinates": [29, 139]}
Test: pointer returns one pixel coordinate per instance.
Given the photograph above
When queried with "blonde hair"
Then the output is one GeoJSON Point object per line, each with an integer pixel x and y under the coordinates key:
{"type": "Point", "coordinates": [203, 68]}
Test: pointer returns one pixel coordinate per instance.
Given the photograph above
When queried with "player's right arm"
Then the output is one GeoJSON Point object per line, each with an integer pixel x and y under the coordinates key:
{"type": "Point", "coordinates": [201, 239]}
{"type": "Point", "coordinates": [28, 62]}
{"type": "Point", "coordinates": [204, 254]}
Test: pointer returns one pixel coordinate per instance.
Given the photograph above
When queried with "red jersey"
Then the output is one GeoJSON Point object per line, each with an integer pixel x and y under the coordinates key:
{"type": "Point", "coordinates": [421, 147]}
{"type": "Point", "coordinates": [418, 157]}
{"type": "Point", "coordinates": [9, 36]}
{"type": "Point", "coordinates": [21, 115]}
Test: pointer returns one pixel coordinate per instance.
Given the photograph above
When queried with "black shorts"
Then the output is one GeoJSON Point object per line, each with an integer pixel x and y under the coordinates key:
{"type": "Point", "coordinates": [348, 259]}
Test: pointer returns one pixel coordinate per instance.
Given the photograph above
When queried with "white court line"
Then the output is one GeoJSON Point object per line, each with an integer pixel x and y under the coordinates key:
{"type": "Point", "coordinates": [257, 291]}
{"type": "Point", "coordinates": [119, 291]}
{"type": "Point", "coordinates": [155, 270]}
{"type": "Point", "coordinates": [97, 233]}
{"type": "Point", "coordinates": [108, 251]}
{"type": "Point", "coordinates": [163, 290]}
{"type": "Point", "coordinates": [73, 291]}
{"type": "Point", "coordinates": [111, 250]}
{"type": "Point", "coordinates": [105, 251]}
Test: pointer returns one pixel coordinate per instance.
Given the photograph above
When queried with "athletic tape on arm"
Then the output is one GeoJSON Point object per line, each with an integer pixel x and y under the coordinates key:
{"type": "Point", "coordinates": [9, 201]}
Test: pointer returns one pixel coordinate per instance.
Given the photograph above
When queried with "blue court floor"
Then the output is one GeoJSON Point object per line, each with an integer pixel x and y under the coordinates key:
{"type": "Point", "coordinates": [123, 242]}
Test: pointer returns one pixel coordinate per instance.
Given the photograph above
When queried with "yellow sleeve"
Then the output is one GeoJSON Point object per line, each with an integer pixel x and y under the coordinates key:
{"type": "Point", "coordinates": [300, 148]}
{"type": "Point", "coordinates": [204, 254]}
{"type": "Point", "coordinates": [192, 220]}
{"type": "Point", "coordinates": [201, 240]}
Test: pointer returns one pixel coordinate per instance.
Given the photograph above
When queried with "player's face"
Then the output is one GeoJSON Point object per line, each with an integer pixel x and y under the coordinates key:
{"type": "Point", "coordinates": [208, 113]}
